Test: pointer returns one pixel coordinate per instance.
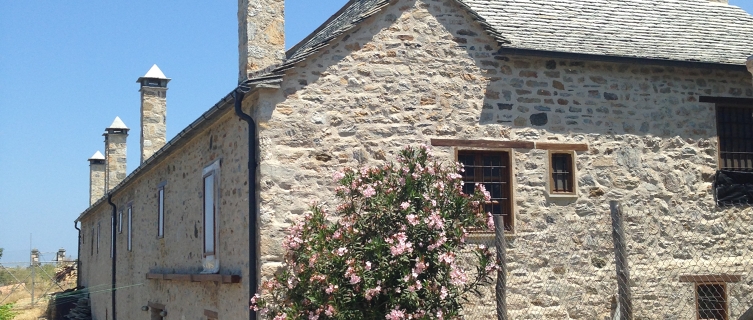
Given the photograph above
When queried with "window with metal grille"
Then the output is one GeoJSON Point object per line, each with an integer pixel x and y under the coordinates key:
{"type": "Point", "coordinates": [562, 173]}
{"type": "Point", "coordinates": [711, 301]}
{"type": "Point", "coordinates": [735, 130]}
{"type": "Point", "coordinates": [492, 170]}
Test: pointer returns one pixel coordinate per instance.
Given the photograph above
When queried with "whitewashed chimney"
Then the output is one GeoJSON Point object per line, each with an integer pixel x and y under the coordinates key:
{"type": "Point", "coordinates": [153, 111]}
{"type": "Point", "coordinates": [96, 177]}
{"type": "Point", "coordinates": [261, 35]}
{"type": "Point", "coordinates": [115, 153]}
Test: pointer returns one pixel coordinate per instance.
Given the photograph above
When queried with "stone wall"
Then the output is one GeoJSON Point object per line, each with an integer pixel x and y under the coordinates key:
{"type": "Point", "coordinates": [153, 118]}
{"type": "Point", "coordinates": [423, 69]}
{"type": "Point", "coordinates": [181, 248]}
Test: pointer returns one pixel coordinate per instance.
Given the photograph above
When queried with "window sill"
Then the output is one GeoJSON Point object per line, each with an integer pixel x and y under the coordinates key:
{"type": "Point", "coordinates": [711, 278]}
{"type": "Point", "coordinates": [563, 195]}
{"type": "Point", "coordinates": [191, 277]}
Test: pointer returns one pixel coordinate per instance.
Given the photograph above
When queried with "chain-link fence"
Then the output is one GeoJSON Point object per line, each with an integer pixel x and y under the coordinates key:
{"type": "Point", "coordinates": [668, 262]}
{"type": "Point", "coordinates": [27, 285]}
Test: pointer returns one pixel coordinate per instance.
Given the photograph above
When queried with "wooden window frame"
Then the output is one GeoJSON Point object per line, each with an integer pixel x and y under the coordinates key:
{"type": "Point", "coordinates": [724, 293]}
{"type": "Point", "coordinates": [211, 170]}
{"type": "Point", "coordinates": [129, 241]}
{"type": "Point", "coordinates": [509, 190]}
{"type": "Point", "coordinates": [161, 210]}
{"type": "Point", "coordinates": [573, 174]}
{"type": "Point", "coordinates": [720, 159]}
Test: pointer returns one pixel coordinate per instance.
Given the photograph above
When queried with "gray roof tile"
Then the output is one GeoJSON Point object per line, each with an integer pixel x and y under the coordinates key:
{"type": "Point", "coordinates": [682, 30]}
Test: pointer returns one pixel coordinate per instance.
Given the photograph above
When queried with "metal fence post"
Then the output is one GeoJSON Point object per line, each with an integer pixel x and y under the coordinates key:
{"type": "Point", "coordinates": [501, 286]}
{"type": "Point", "coordinates": [624, 296]}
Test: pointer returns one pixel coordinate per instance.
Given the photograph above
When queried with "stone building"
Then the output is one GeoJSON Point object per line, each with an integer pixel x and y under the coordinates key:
{"type": "Point", "coordinates": [573, 102]}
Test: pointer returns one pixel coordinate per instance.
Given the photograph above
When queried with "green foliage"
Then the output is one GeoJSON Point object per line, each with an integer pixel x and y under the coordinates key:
{"type": "Point", "coordinates": [6, 313]}
{"type": "Point", "coordinates": [393, 252]}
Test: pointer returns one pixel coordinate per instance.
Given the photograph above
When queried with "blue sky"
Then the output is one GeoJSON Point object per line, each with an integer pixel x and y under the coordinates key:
{"type": "Point", "coordinates": [67, 68]}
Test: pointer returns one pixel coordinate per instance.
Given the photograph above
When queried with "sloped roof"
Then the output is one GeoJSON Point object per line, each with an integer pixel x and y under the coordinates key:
{"type": "Point", "coordinates": [348, 17]}
{"type": "Point", "coordinates": [674, 30]}
{"type": "Point", "coordinates": [683, 30]}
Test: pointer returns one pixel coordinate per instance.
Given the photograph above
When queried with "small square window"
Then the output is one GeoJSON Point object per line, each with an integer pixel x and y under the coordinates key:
{"type": "Point", "coordinates": [711, 301]}
{"type": "Point", "coordinates": [562, 173]}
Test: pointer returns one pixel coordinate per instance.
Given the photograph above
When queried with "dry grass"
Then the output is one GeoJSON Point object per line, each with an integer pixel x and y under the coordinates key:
{"type": "Point", "coordinates": [27, 312]}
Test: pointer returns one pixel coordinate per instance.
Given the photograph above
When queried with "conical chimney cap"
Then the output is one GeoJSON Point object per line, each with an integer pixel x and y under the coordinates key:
{"type": "Point", "coordinates": [154, 73]}
{"type": "Point", "coordinates": [97, 156]}
{"type": "Point", "coordinates": [117, 124]}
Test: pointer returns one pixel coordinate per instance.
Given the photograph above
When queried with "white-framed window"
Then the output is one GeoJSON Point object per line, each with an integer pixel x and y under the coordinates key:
{"type": "Point", "coordinates": [210, 182]}
{"type": "Point", "coordinates": [120, 221]}
{"type": "Point", "coordinates": [161, 210]}
{"type": "Point", "coordinates": [129, 210]}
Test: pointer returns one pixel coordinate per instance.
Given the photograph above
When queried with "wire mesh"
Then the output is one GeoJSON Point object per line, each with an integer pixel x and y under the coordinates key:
{"type": "Point", "coordinates": [682, 262]}
{"type": "Point", "coordinates": [557, 268]}
{"type": "Point", "coordinates": [690, 263]}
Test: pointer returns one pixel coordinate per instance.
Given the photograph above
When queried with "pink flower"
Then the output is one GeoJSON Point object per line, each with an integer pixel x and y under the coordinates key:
{"type": "Point", "coordinates": [457, 276]}
{"type": "Point", "coordinates": [369, 192]}
{"type": "Point", "coordinates": [281, 316]}
{"type": "Point", "coordinates": [331, 288]}
{"type": "Point", "coordinates": [368, 265]}
{"type": "Point", "coordinates": [337, 176]}
{"type": "Point", "coordinates": [342, 251]}
{"type": "Point", "coordinates": [487, 195]}
{"type": "Point", "coordinates": [371, 293]}
{"type": "Point", "coordinates": [412, 219]}
{"type": "Point", "coordinates": [395, 314]}
{"type": "Point", "coordinates": [404, 205]}
{"type": "Point", "coordinates": [489, 221]}
{"type": "Point", "coordinates": [435, 221]}
{"type": "Point", "coordinates": [443, 293]}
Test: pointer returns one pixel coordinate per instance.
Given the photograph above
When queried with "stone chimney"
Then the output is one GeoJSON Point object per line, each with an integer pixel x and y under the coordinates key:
{"type": "Point", "coordinates": [153, 111]}
{"type": "Point", "coordinates": [261, 35]}
{"type": "Point", "coordinates": [60, 256]}
{"type": "Point", "coordinates": [96, 177]}
{"type": "Point", "coordinates": [115, 153]}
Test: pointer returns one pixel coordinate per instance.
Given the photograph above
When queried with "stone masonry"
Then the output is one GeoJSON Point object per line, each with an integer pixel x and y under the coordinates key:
{"type": "Point", "coordinates": [153, 117]}
{"type": "Point", "coordinates": [261, 32]}
{"type": "Point", "coordinates": [424, 69]}
{"type": "Point", "coordinates": [421, 70]}
{"type": "Point", "coordinates": [97, 171]}
{"type": "Point", "coordinates": [180, 250]}
{"type": "Point", "coordinates": [115, 153]}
